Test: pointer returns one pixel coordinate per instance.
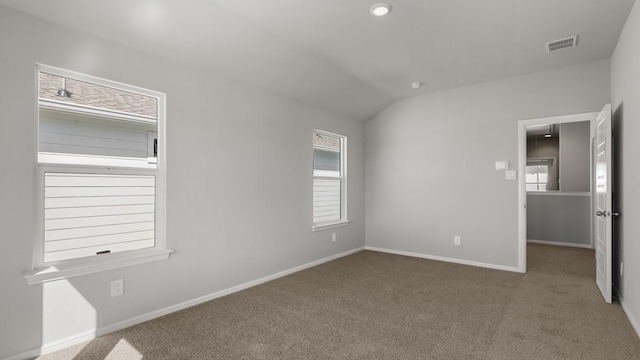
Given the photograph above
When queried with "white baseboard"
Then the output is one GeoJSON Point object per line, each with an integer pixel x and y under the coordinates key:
{"type": "Point", "coordinates": [55, 345]}
{"type": "Point", "coordinates": [632, 319]}
{"type": "Point", "coordinates": [543, 242]}
{"type": "Point", "coordinates": [445, 259]}
{"type": "Point", "coordinates": [91, 334]}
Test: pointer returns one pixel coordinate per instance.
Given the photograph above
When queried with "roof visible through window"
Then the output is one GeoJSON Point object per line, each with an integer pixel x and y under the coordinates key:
{"type": "Point", "coordinates": [97, 96]}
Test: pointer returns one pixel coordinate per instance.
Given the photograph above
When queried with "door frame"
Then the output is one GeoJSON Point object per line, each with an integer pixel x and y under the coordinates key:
{"type": "Point", "coordinates": [522, 163]}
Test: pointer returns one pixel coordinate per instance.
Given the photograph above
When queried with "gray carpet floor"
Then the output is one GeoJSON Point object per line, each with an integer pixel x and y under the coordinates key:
{"type": "Point", "coordinates": [373, 305]}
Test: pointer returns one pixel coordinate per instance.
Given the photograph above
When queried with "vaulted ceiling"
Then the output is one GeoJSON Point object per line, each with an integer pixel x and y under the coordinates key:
{"type": "Point", "coordinates": [334, 55]}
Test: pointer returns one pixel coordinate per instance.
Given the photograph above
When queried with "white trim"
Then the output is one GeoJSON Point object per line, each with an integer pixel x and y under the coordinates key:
{"type": "Point", "coordinates": [52, 70]}
{"type": "Point", "coordinates": [522, 161]}
{"type": "Point", "coordinates": [632, 319]}
{"type": "Point", "coordinates": [55, 346]}
{"type": "Point", "coordinates": [562, 119]}
{"type": "Point", "coordinates": [91, 334]}
{"type": "Point", "coordinates": [343, 182]}
{"type": "Point", "coordinates": [93, 265]}
{"type": "Point", "coordinates": [330, 225]}
{"type": "Point", "coordinates": [94, 161]}
{"type": "Point", "coordinates": [445, 259]}
{"type": "Point", "coordinates": [544, 242]}
{"type": "Point", "coordinates": [41, 271]}
{"type": "Point", "coordinates": [559, 193]}
{"type": "Point", "coordinates": [522, 198]}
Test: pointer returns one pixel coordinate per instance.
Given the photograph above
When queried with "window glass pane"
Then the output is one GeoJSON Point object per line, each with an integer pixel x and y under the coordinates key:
{"type": "Point", "coordinates": [532, 187]}
{"type": "Point", "coordinates": [326, 163]}
{"type": "Point", "coordinates": [96, 96]}
{"type": "Point", "coordinates": [532, 174]}
{"type": "Point", "coordinates": [90, 120]}
{"type": "Point", "coordinates": [542, 187]}
{"type": "Point", "coordinates": [106, 126]}
{"type": "Point", "coordinates": [326, 155]}
{"type": "Point", "coordinates": [328, 182]}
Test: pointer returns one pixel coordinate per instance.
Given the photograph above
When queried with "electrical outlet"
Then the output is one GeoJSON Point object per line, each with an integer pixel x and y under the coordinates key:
{"type": "Point", "coordinates": [456, 240]}
{"type": "Point", "coordinates": [117, 287]}
{"type": "Point", "coordinates": [334, 237]}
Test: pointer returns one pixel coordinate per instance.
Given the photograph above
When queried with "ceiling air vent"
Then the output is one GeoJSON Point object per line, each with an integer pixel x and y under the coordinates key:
{"type": "Point", "coordinates": [560, 44]}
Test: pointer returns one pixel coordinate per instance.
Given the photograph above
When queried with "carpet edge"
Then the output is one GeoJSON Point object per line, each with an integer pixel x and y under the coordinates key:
{"type": "Point", "coordinates": [92, 334]}
{"type": "Point", "coordinates": [635, 324]}
{"type": "Point", "coordinates": [445, 259]}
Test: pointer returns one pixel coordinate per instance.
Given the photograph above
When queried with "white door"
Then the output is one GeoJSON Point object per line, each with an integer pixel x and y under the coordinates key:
{"type": "Point", "coordinates": [604, 212]}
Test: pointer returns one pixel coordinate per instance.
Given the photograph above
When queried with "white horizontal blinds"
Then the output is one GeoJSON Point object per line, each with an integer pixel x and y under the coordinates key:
{"type": "Point", "coordinates": [328, 180]}
{"type": "Point", "coordinates": [88, 214]}
{"type": "Point", "coordinates": [326, 200]}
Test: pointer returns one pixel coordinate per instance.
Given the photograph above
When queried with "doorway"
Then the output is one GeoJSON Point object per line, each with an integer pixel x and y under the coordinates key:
{"type": "Point", "coordinates": [541, 175]}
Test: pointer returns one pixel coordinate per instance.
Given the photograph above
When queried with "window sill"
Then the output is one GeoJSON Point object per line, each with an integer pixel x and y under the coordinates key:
{"type": "Point", "coordinates": [332, 225]}
{"type": "Point", "coordinates": [73, 269]}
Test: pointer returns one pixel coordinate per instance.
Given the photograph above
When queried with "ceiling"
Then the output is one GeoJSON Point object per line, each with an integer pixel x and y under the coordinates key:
{"type": "Point", "coordinates": [332, 54]}
{"type": "Point", "coordinates": [534, 131]}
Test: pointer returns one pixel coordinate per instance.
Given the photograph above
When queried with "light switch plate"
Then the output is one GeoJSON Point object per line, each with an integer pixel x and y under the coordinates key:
{"type": "Point", "coordinates": [502, 165]}
{"type": "Point", "coordinates": [510, 175]}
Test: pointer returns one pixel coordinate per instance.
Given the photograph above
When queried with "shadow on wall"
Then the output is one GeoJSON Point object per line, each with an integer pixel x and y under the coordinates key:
{"type": "Point", "coordinates": [63, 303]}
{"type": "Point", "coordinates": [618, 205]}
{"type": "Point", "coordinates": [64, 310]}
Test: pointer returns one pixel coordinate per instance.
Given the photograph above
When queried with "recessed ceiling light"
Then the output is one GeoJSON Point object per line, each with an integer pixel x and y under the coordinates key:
{"type": "Point", "coordinates": [416, 84]}
{"type": "Point", "coordinates": [380, 9]}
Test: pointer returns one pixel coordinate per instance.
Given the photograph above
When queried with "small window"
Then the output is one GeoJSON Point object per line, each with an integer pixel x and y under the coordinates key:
{"type": "Point", "coordinates": [100, 167]}
{"type": "Point", "coordinates": [537, 177]}
{"type": "Point", "coordinates": [329, 179]}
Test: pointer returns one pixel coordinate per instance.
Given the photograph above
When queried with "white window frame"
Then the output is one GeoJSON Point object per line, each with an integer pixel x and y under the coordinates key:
{"type": "Point", "coordinates": [538, 183]}
{"type": "Point", "coordinates": [550, 163]}
{"type": "Point", "coordinates": [344, 220]}
{"type": "Point", "coordinates": [51, 271]}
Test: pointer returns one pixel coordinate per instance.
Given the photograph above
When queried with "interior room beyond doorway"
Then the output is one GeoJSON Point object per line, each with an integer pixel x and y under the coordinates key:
{"type": "Point", "coordinates": [558, 183]}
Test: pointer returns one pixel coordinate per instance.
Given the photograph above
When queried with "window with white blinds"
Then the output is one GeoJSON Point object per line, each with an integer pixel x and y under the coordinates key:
{"type": "Point", "coordinates": [90, 214]}
{"type": "Point", "coordinates": [100, 166]}
{"type": "Point", "coordinates": [329, 178]}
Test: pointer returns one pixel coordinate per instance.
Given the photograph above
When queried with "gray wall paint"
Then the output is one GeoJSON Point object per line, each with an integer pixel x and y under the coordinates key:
{"type": "Point", "coordinates": [233, 214]}
{"type": "Point", "coordinates": [559, 218]}
{"type": "Point", "coordinates": [564, 218]}
{"type": "Point", "coordinates": [575, 152]}
{"type": "Point", "coordinates": [430, 162]}
{"type": "Point", "coordinates": [542, 147]}
{"type": "Point", "coordinates": [625, 87]}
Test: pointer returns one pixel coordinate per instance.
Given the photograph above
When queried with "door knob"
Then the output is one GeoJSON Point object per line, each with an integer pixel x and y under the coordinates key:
{"type": "Point", "coordinates": [601, 213]}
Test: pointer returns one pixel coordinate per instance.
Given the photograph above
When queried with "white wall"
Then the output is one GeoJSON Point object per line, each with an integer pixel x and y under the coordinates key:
{"type": "Point", "coordinates": [430, 162]}
{"type": "Point", "coordinates": [239, 187]}
{"type": "Point", "coordinates": [625, 87]}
